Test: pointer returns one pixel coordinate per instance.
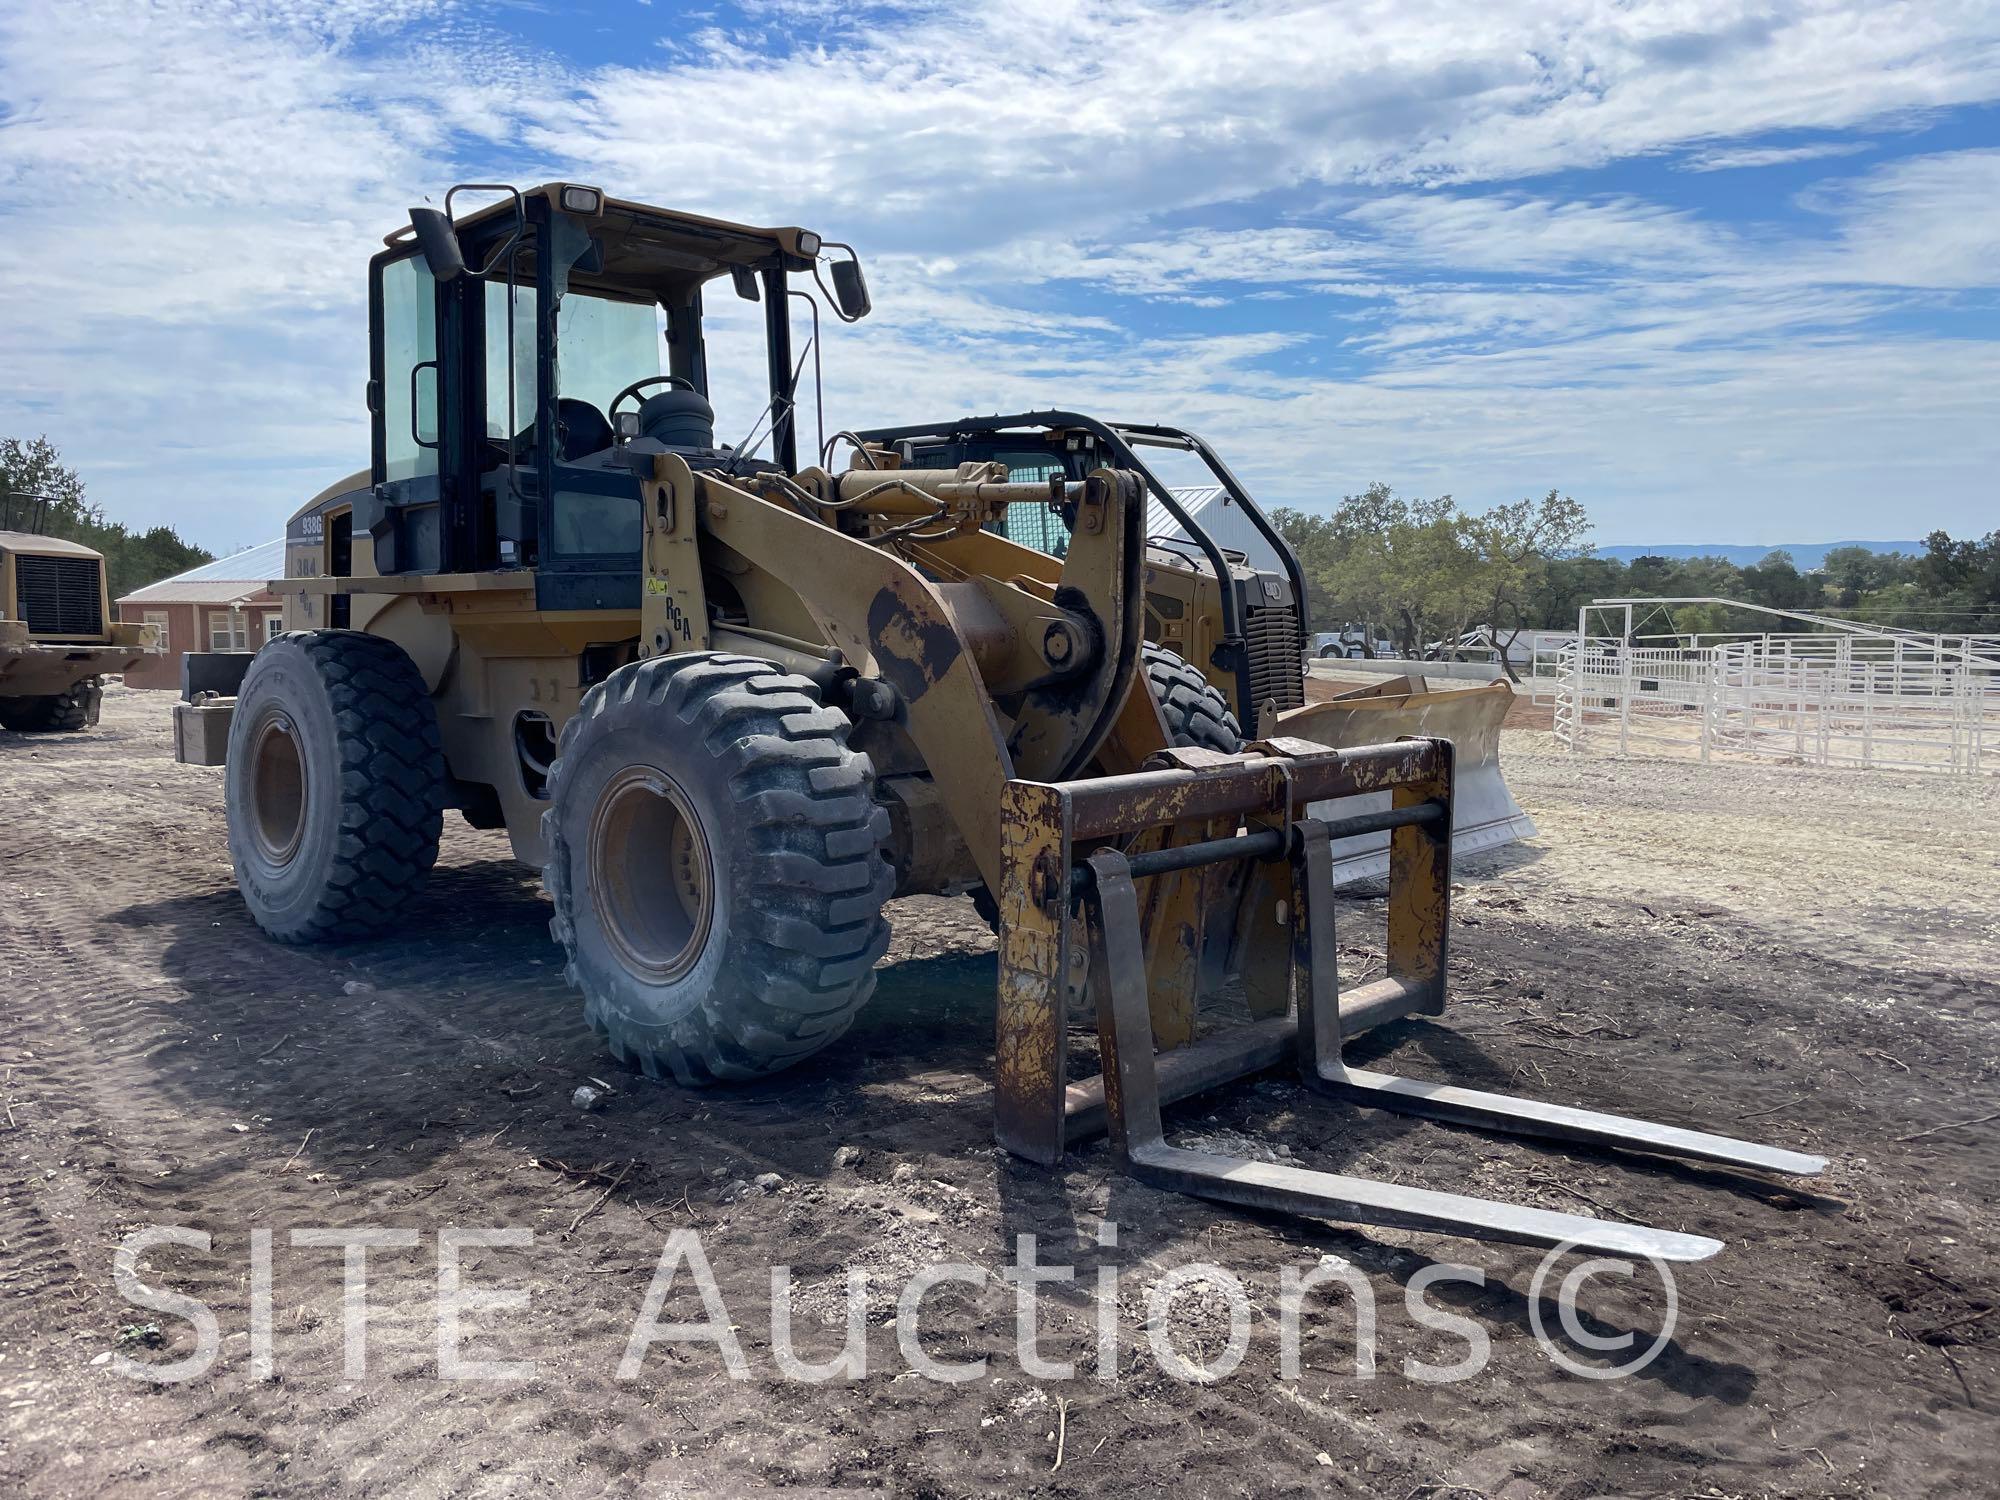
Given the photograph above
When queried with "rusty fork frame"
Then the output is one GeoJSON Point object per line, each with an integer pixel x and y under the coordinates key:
{"type": "Point", "coordinates": [1064, 870]}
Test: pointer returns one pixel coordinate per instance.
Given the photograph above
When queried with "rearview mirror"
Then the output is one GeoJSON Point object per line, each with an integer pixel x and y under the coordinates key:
{"type": "Point", "coordinates": [850, 290]}
{"type": "Point", "coordinates": [746, 282]}
{"type": "Point", "coordinates": [438, 241]}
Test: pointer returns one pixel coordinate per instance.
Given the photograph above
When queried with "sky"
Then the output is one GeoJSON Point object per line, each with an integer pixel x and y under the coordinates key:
{"type": "Point", "coordinates": [1724, 272]}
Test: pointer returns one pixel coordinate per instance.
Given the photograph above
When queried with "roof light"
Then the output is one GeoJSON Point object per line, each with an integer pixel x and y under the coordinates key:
{"type": "Point", "coordinates": [583, 200]}
{"type": "Point", "coordinates": [808, 242]}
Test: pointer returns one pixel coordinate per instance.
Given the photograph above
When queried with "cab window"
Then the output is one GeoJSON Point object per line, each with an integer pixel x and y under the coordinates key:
{"type": "Point", "coordinates": [409, 370]}
{"type": "Point", "coordinates": [603, 345]}
{"type": "Point", "coordinates": [499, 368]}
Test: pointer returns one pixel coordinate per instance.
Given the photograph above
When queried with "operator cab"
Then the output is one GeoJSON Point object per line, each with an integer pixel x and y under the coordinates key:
{"type": "Point", "coordinates": [530, 359]}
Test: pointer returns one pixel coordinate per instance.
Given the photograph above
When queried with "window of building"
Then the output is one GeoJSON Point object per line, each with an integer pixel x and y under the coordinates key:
{"type": "Point", "coordinates": [157, 618]}
{"type": "Point", "coordinates": [274, 625]}
{"type": "Point", "coordinates": [226, 631]}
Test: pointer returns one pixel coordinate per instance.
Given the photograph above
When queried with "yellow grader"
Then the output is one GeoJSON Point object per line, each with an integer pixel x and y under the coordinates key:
{"type": "Point", "coordinates": [57, 637]}
{"type": "Point", "coordinates": [730, 705]}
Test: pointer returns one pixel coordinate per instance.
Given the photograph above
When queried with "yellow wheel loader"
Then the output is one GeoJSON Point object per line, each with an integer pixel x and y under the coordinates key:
{"type": "Point", "coordinates": [57, 637]}
{"type": "Point", "coordinates": [731, 704]}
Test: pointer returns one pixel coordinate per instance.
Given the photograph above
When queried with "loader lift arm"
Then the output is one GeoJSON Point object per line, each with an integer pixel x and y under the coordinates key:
{"type": "Point", "coordinates": [889, 619]}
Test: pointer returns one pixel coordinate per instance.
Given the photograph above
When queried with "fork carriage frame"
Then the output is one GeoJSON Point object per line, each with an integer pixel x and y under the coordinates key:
{"type": "Point", "coordinates": [1233, 833]}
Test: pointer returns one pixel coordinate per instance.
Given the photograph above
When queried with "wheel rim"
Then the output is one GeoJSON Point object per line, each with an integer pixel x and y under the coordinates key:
{"type": "Point", "coordinates": [277, 789]}
{"type": "Point", "coordinates": [652, 880]}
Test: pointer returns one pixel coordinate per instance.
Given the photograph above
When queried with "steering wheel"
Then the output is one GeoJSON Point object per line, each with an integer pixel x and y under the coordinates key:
{"type": "Point", "coordinates": [640, 384]}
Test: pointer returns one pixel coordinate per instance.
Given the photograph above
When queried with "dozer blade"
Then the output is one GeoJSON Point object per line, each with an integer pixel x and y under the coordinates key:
{"type": "Point", "coordinates": [1486, 816]}
{"type": "Point", "coordinates": [1063, 858]}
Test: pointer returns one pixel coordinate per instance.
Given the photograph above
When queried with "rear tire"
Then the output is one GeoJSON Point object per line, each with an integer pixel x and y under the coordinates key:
{"type": "Point", "coordinates": [1197, 714]}
{"type": "Point", "coordinates": [51, 713]}
{"type": "Point", "coordinates": [716, 860]}
{"type": "Point", "coordinates": [335, 785]}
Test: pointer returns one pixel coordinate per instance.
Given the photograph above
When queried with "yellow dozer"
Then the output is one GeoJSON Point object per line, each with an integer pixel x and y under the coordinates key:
{"type": "Point", "coordinates": [57, 637]}
{"type": "Point", "coordinates": [1226, 634]}
{"type": "Point", "coordinates": [731, 704]}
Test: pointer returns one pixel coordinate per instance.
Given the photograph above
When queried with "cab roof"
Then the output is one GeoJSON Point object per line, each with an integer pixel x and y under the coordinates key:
{"type": "Point", "coordinates": [642, 238]}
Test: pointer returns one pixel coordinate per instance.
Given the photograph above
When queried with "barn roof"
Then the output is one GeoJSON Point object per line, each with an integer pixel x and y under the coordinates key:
{"type": "Point", "coordinates": [224, 581]}
{"type": "Point", "coordinates": [1220, 516]}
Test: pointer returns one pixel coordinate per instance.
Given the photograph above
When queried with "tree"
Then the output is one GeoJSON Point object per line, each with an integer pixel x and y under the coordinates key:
{"type": "Point", "coordinates": [1848, 574]}
{"type": "Point", "coordinates": [1569, 583]}
{"type": "Point", "coordinates": [1428, 572]}
{"type": "Point", "coordinates": [1313, 540]}
{"type": "Point", "coordinates": [1517, 543]}
{"type": "Point", "coordinates": [38, 491]}
{"type": "Point", "coordinates": [1401, 565]}
{"type": "Point", "coordinates": [1776, 583]}
{"type": "Point", "coordinates": [1961, 581]}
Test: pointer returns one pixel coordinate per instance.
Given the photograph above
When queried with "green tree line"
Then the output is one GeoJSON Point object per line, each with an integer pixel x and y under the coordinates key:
{"type": "Point", "coordinates": [1426, 573]}
{"type": "Point", "coordinates": [39, 492]}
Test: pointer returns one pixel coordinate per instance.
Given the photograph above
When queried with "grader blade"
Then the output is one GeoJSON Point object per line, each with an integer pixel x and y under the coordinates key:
{"type": "Point", "coordinates": [1071, 872]}
{"type": "Point", "coordinates": [1486, 816]}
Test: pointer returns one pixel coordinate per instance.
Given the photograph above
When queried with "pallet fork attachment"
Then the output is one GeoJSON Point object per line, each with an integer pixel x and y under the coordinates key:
{"type": "Point", "coordinates": [1074, 859]}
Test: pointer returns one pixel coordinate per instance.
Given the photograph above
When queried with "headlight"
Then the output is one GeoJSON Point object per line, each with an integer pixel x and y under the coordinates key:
{"type": "Point", "coordinates": [583, 200]}
{"type": "Point", "coordinates": [808, 242]}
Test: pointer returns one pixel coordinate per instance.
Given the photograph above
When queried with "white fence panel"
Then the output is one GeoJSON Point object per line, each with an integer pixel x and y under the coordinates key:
{"type": "Point", "coordinates": [1858, 700]}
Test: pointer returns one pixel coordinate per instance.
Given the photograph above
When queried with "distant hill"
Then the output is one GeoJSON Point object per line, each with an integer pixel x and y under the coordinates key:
{"type": "Point", "coordinates": [1807, 555]}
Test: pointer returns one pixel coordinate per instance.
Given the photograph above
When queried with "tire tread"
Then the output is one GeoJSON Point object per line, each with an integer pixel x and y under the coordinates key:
{"type": "Point", "coordinates": [392, 782]}
{"type": "Point", "coordinates": [66, 712]}
{"type": "Point", "coordinates": [811, 929]}
{"type": "Point", "coordinates": [1196, 712]}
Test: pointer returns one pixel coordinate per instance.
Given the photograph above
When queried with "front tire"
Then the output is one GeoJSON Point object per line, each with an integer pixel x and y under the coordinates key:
{"type": "Point", "coordinates": [335, 785]}
{"type": "Point", "coordinates": [716, 863]}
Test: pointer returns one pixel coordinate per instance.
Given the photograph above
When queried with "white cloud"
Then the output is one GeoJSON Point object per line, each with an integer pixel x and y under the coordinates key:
{"type": "Point", "coordinates": [1731, 158]}
{"type": "Point", "coordinates": [191, 190]}
{"type": "Point", "coordinates": [1930, 221]}
{"type": "Point", "coordinates": [988, 115]}
{"type": "Point", "coordinates": [1512, 232]}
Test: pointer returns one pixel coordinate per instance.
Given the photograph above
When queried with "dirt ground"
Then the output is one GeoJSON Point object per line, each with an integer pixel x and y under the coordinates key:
{"type": "Point", "coordinates": [1803, 956]}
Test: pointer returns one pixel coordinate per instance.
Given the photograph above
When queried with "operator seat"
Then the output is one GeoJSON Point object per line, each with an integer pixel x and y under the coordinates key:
{"type": "Point", "coordinates": [581, 430]}
{"type": "Point", "coordinates": [678, 418]}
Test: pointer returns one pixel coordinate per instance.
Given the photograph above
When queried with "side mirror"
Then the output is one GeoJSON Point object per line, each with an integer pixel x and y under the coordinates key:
{"type": "Point", "coordinates": [850, 290]}
{"type": "Point", "coordinates": [438, 241]}
{"type": "Point", "coordinates": [746, 282]}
